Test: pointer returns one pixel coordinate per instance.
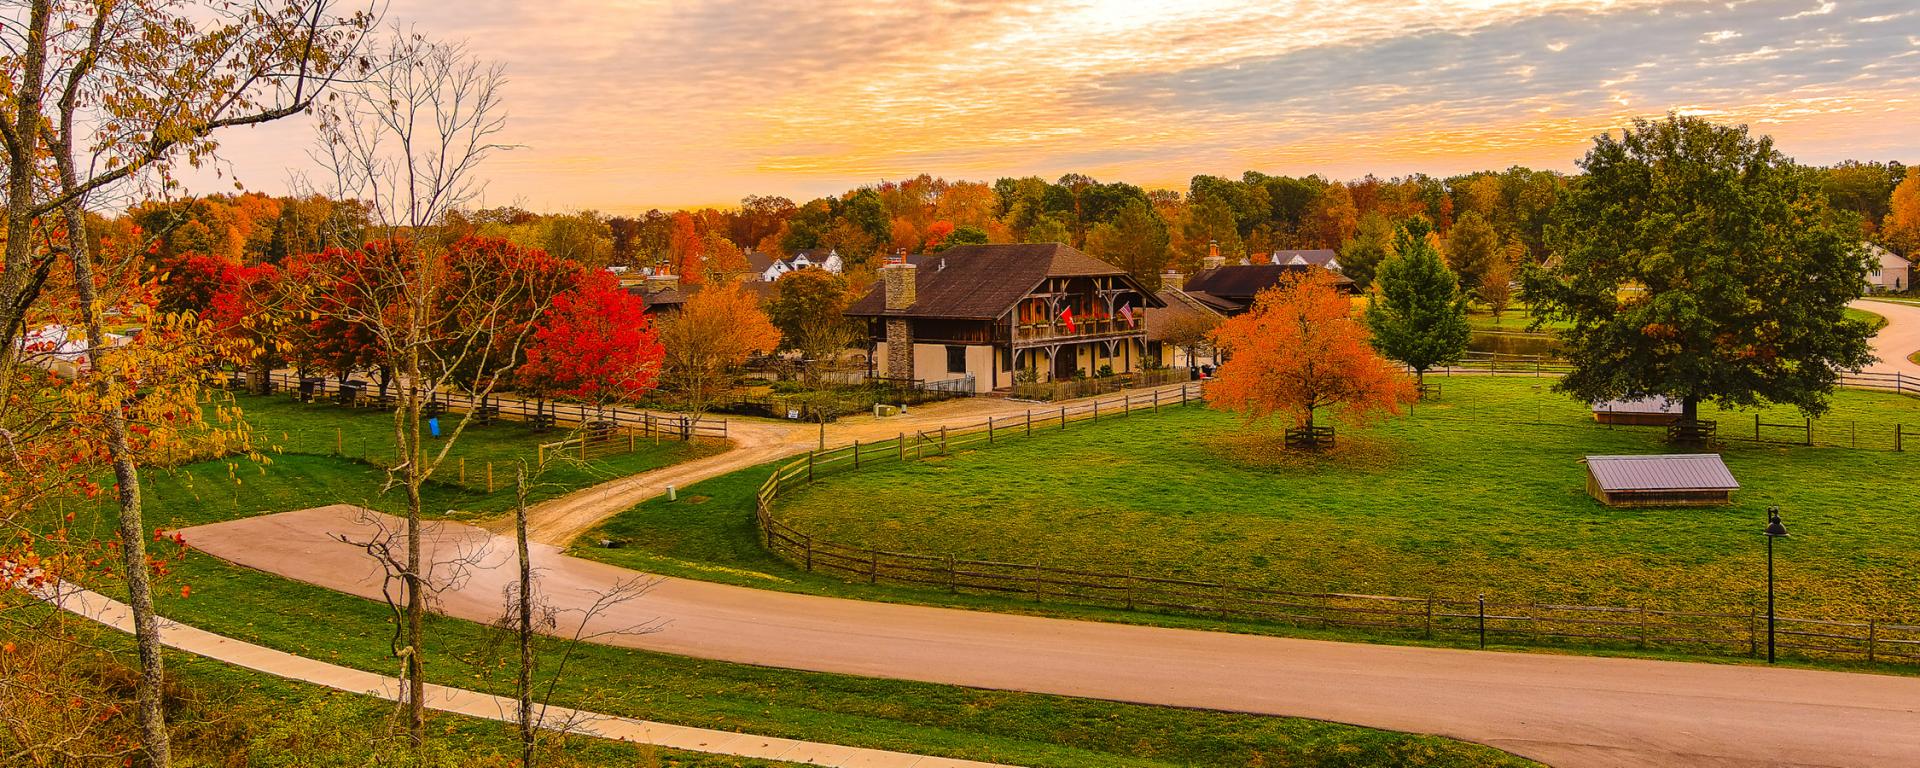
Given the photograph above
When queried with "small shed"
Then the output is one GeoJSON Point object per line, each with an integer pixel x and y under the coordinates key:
{"type": "Point", "coordinates": [1670, 480]}
{"type": "Point", "coordinates": [1657, 410]}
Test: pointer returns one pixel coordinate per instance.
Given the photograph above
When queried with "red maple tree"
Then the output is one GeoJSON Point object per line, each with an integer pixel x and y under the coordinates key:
{"type": "Point", "coordinates": [595, 343]}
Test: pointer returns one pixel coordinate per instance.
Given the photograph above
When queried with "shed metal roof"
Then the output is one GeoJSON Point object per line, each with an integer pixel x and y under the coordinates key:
{"type": "Point", "coordinates": [1670, 472]}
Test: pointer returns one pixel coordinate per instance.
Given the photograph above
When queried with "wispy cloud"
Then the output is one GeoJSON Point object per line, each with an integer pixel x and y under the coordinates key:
{"type": "Point", "coordinates": [625, 104]}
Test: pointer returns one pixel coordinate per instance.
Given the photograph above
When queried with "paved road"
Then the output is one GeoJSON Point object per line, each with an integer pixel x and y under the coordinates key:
{"type": "Point", "coordinates": [1568, 711]}
{"type": "Point", "coordinates": [115, 614]}
{"type": "Point", "coordinates": [1899, 339]}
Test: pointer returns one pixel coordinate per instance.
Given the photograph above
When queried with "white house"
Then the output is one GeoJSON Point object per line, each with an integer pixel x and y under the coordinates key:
{"type": "Point", "coordinates": [1887, 271]}
{"type": "Point", "coordinates": [62, 349]}
{"type": "Point", "coordinates": [1317, 257]}
{"type": "Point", "coordinates": [770, 268]}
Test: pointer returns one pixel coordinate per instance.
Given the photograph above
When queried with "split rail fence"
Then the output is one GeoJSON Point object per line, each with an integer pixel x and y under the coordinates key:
{"type": "Point", "coordinates": [539, 414]}
{"type": "Point", "coordinates": [1740, 631]}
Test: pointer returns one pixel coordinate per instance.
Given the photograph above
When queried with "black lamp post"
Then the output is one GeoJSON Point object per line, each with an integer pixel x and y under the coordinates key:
{"type": "Point", "coordinates": [1775, 529]}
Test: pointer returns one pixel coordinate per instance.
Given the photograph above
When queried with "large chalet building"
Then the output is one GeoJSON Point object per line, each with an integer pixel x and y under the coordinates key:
{"type": "Point", "coordinates": [985, 312]}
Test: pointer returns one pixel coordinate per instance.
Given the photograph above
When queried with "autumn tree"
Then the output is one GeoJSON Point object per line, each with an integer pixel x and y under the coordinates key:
{"type": "Point", "coordinates": [1901, 229]}
{"type": "Point", "coordinates": [965, 235]}
{"type": "Point", "coordinates": [1695, 261]}
{"type": "Point", "coordinates": [1333, 218]}
{"type": "Point", "coordinates": [1418, 315]}
{"type": "Point", "coordinates": [250, 309]}
{"type": "Point", "coordinates": [717, 329]}
{"type": "Point", "coordinates": [1300, 349]}
{"type": "Point", "coordinates": [1496, 286]}
{"type": "Point", "coordinates": [808, 309]}
{"type": "Point", "coordinates": [596, 344]}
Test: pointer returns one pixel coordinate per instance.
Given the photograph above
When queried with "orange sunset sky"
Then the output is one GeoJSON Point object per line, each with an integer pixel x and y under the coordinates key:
{"type": "Point", "coordinates": [625, 105]}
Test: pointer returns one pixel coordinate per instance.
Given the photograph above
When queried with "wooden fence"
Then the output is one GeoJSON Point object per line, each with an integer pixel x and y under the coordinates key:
{"type": "Point", "coordinates": [1739, 632]}
{"type": "Point", "coordinates": [540, 414]}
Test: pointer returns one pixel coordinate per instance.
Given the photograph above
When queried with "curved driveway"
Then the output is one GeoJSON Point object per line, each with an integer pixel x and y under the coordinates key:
{"type": "Point", "coordinates": [1898, 340]}
{"type": "Point", "coordinates": [1564, 710]}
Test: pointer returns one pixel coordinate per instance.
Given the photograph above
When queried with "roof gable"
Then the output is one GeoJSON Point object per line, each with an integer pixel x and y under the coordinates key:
{"type": "Point", "coordinates": [982, 282]}
{"type": "Point", "coordinates": [1671, 472]}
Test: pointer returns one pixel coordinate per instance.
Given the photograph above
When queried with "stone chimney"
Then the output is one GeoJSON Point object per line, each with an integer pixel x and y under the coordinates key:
{"type": "Point", "coordinates": [1173, 280]}
{"type": "Point", "coordinates": [1214, 260]}
{"type": "Point", "coordinates": [899, 282]}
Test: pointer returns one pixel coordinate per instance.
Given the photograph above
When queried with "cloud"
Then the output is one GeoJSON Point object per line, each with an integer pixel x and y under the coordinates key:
{"type": "Point", "coordinates": [625, 104]}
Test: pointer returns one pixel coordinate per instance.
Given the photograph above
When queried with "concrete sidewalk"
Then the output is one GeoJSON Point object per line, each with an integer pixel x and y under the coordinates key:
{"type": "Point", "coordinates": [115, 614]}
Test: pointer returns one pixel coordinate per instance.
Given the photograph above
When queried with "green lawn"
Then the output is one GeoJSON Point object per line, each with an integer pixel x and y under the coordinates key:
{"type": "Point", "coordinates": [1024, 729]}
{"type": "Point", "coordinates": [284, 425]}
{"type": "Point", "coordinates": [222, 715]}
{"type": "Point", "coordinates": [1464, 497]}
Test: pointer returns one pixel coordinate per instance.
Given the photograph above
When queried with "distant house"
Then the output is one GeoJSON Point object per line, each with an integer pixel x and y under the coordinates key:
{"type": "Point", "coordinates": [1324, 258]}
{"type": "Point", "coordinates": [985, 312]}
{"type": "Point", "coordinates": [1674, 480]}
{"type": "Point", "coordinates": [768, 268]}
{"type": "Point", "coordinates": [1887, 271]}
{"type": "Point", "coordinates": [63, 349]}
{"type": "Point", "coordinates": [1229, 289]}
{"type": "Point", "coordinates": [1181, 313]}
{"type": "Point", "coordinates": [661, 293]}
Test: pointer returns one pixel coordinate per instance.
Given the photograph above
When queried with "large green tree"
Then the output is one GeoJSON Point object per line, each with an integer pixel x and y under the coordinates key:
{"type": "Point", "coordinates": [1418, 315]}
{"type": "Point", "coordinates": [1472, 247]}
{"type": "Point", "coordinates": [1136, 241]}
{"type": "Point", "coordinates": [1695, 261]}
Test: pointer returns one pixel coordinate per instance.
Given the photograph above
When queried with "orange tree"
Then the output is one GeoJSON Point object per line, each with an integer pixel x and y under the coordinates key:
{"type": "Point", "coordinates": [1301, 349]}
{"type": "Point", "coordinates": [716, 330]}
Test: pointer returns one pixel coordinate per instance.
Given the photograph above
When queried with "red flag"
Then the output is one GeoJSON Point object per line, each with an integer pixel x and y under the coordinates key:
{"type": "Point", "coordinates": [1067, 315]}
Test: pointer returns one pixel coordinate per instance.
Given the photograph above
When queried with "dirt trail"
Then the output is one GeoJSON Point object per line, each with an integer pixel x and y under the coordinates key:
{"type": "Point", "coordinates": [1569, 711]}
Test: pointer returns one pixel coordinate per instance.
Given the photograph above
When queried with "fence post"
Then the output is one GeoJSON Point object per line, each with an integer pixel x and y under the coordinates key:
{"type": "Point", "coordinates": [1897, 428]}
{"type": "Point", "coordinates": [1756, 427]}
{"type": "Point", "coordinates": [989, 430]}
{"type": "Point", "coordinates": [873, 565]}
{"type": "Point", "coordinates": [1129, 587]}
{"type": "Point", "coordinates": [809, 466]}
{"type": "Point", "coordinates": [901, 443]}
{"type": "Point", "coordinates": [1029, 422]}
{"type": "Point", "coordinates": [1871, 625]}
{"type": "Point", "coordinates": [1096, 410]}
{"type": "Point", "coordinates": [951, 587]}
{"type": "Point", "coordinates": [463, 470]}
{"type": "Point", "coordinates": [1643, 626]}
{"type": "Point", "coordinates": [339, 442]}
{"type": "Point", "coordinates": [1156, 401]}
{"type": "Point", "coordinates": [943, 439]}
{"type": "Point", "coordinates": [1428, 631]}
{"type": "Point", "coordinates": [1063, 417]}
{"type": "Point", "coordinates": [856, 454]}
{"type": "Point", "coordinates": [629, 441]}
{"type": "Point", "coordinates": [583, 445]}
{"type": "Point", "coordinates": [489, 477]}
{"type": "Point", "coordinates": [1809, 430]}
{"type": "Point", "coordinates": [1483, 621]}
{"type": "Point", "coordinates": [806, 539]}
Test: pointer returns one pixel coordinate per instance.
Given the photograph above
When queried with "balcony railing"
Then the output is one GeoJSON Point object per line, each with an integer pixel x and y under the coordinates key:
{"type": "Point", "coordinates": [1083, 329]}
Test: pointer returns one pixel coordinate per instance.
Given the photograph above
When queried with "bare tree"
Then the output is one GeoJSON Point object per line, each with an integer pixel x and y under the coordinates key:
{"type": "Point", "coordinates": [407, 141]}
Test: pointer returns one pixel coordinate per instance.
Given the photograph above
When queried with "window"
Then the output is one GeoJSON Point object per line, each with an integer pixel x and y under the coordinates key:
{"type": "Point", "coordinates": [956, 359]}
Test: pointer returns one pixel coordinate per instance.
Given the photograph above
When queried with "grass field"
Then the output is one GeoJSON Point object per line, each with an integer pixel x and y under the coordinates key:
{"type": "Point", "coordinates": [1024, 729]}
{"type": "Point", "coordinates": [1466, 496]}
{"type": "Point", "coordinates": [288, 429]}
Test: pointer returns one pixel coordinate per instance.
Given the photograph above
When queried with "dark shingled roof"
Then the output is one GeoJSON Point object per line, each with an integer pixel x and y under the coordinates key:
{"type": "Point", "coordinates": [1239, 283]}
{"type": "Point", "coordinates": [1177, 305]}
{"type": "Point", "coordinates": [761, 261]}
{"type": "Point", "coordinates": [981, 282]}
{"type": "Point", "coordinates": [1672, 472]}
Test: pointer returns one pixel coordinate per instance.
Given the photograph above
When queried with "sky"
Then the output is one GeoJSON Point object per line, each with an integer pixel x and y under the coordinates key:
{"type": "Point", "coordinates": [624, 105]}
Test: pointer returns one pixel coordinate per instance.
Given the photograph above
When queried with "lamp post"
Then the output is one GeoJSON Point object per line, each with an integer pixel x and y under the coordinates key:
{"type": "Point", "coordinates": [1774, 530]}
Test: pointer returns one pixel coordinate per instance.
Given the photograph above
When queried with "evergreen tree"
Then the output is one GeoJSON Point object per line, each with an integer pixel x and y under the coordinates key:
{"type": "Point", "coordinates": [1418, 315]}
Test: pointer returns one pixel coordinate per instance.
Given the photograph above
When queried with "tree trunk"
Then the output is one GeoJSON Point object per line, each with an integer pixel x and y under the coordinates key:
{"type": "Point", "coordinates": [407, 437]}
{"type": "Point", "coordinates": [1690, 408]}
{"type": "Point", "coordinates": [152, 713]}
{"type": "Point", "coordinates": [524, 684]}
{"type": "Point", "coordinates": [16, 280]}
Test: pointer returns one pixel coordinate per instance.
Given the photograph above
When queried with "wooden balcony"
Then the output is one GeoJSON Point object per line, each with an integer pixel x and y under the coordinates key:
{"type": "Point", "coordinates": [1084, 330]}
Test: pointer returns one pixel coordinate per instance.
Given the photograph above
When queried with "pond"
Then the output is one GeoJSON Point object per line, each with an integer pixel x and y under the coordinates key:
{"type": "Point", "coordinates": [1511, 343]}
